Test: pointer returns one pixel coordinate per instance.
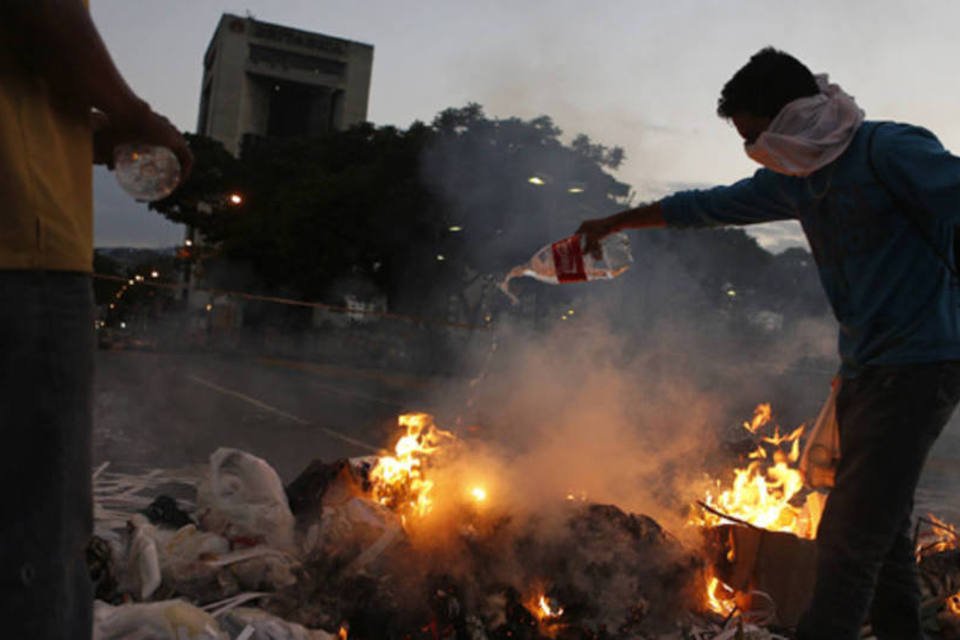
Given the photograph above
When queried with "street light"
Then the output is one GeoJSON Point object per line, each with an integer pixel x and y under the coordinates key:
{"type": "Point", "coordinates": [235, 198]}
{"type": "Point", "coordinates": [536, 180]}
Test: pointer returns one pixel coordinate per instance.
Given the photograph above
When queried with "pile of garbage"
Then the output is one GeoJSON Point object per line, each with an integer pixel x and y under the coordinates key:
{"type": "Point", "coordinates": [937, 545]}
{"type": "Point", "coordinates": [226, 552]}
{"type": "Point", "coordinates": [168, 568]}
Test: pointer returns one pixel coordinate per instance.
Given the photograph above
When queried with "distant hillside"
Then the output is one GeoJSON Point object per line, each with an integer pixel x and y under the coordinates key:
{"type": "Point", "coordinates": [131, 256]}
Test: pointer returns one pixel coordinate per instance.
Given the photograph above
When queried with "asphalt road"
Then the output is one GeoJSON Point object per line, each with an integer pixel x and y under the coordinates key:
{"type": "Point", "coordinates": [171, 410]}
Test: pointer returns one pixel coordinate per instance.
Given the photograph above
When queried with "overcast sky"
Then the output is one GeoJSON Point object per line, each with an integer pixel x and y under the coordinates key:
{"type": "Point", "coordinates": [642, 74]}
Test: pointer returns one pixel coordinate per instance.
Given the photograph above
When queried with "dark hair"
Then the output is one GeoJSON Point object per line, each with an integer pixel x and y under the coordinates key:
{"type": "Point", "coordinates": [764, 85]}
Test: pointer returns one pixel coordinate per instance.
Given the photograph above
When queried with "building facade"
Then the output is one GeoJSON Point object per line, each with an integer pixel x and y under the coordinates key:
{"type": "Point", "coordinates": [265, 79]}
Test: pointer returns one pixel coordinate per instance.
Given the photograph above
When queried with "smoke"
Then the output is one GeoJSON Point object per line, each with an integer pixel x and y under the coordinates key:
{"type": "Point", "coordinates": [623, 392]}
{"type": "Point", "coordinates": [580, 414]}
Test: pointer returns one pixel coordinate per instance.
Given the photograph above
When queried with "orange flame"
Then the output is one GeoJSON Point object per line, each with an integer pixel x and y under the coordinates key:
{"type": "Point", "coordinates": [547, 611]}
{"type": "Point", "coordinates": [761, 416]}
{"type": "Point", "coordinates": [764, 492]}
{"type": "Point", "coordinates": [399, 481]}
{"type": "Point", "coordinates": [548, 608]}
{"type": "Point", "coordinates": [343, 632]}
{"type": "Point", "coordinates": [720, 597]}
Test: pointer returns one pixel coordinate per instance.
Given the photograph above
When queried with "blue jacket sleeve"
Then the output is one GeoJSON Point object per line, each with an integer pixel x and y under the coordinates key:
{"type": "Point", "coordinates": [749, 201]}
{"type": "Point", "coordinates": [917, 168]}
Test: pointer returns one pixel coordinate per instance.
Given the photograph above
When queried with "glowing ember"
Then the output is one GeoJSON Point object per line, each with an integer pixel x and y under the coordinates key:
{"type": "Point", "coordinates": [548, 608]}
{"type": "Point", "coordinates": [953, 604]}
{"type": "Point", "coordinates": [939, 537]}
{"type": "Point", "coordinates": [764, 492]}
{"type": "Point", "coordinates": [399, 481]}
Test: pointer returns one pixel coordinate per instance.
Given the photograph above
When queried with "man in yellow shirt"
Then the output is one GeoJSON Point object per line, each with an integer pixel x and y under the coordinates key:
{"type": "Point", "coordinates": [54, 72]}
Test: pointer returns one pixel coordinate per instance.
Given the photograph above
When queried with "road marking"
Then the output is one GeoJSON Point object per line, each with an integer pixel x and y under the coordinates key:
{"type": "Point", "coordinates": [393, 379]}
{"type": "Point", "coordinates": [283, 414]}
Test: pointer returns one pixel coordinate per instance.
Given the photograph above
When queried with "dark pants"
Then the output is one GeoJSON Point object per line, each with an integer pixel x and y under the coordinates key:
{"type": "Point", "coordinates": [46, 377]}
{"type": "Point", "coordinates": [889, 418]}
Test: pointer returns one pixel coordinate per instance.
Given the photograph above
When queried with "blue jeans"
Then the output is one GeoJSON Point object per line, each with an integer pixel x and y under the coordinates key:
{"type": "Point", "coordinates": [889, 418]}
{"type": "Point", "coordinates": [46, 389]}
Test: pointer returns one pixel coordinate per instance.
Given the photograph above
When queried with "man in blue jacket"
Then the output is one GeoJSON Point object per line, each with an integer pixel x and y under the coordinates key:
{"type": "Point", "coordinates": [879, 203]}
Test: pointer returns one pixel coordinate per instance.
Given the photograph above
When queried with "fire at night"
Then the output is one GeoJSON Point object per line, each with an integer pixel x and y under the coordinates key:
{"type": "Point", "coordinates": [481, 376]}
{"type": "Point", "coordinates": [415, 542]}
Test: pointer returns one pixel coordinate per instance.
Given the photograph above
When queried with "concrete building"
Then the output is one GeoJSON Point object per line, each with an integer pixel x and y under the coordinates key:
{"type": "Point", "coordinates": [264, 79]}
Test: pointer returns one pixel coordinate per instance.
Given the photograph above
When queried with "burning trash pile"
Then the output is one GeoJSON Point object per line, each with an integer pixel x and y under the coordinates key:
{"type": "Point", "coordinates": [759, 526]}
{"type": "Point", "coordinates": [421, 542]}
{"type": "Point", "coordinates": [427, 542]}
{"type": "Point", "coordinates": [937, 545]}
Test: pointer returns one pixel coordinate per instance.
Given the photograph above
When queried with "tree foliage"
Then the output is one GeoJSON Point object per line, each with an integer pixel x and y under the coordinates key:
{"type": "Point", "coordinates": [416, 211]}
{"type": "Point", "coordinates": [421, 213]}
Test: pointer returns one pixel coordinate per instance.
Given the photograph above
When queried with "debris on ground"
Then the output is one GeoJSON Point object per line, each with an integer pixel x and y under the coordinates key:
{"type": "Point", "coordinates": [264, 626]}
{"type": "Point", "coordinates": [242, 499]}
{"type": "Point", "coordinates": [165, 511]}
{"type": "Point", "coordinates": [333, 556]}
{"type": "Point", "coordinates": [164, 620]}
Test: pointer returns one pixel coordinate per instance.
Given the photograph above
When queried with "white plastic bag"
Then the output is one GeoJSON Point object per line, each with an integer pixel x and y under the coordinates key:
{"type": "Point", "coordinates": [189, 545]}
{"type": "Point", "coordinates": [165, 620]}
{"type": "Point", "coordinates": [143, 563]}
{"type": "Point", "coordinates": [243, 499]}
{"type": "Point", "coordinates": [183, 561]}
{"type": "Point", "coordinates": [821, 455]}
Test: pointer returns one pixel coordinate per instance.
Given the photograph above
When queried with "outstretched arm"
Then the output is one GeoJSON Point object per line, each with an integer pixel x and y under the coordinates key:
{"type": "Point", "coordinates": [58, 38]}
{"type": "Point", "coordinates": [761, 198]}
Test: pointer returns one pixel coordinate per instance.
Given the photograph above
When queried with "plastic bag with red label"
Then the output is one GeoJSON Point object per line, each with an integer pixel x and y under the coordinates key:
{"type": "Point", "coordinates": [566, 261]}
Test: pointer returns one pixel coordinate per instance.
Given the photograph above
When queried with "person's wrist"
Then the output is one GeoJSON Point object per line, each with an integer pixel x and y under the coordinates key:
{"type": "Point", "coordinates": [617, 223]}
{"type": "Point", "coordinates": [129, 115]}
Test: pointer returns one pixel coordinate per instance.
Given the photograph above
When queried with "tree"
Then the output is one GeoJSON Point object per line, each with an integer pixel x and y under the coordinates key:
{"type": "Point", "coordinates": [204, 200]}
{"type": "Point", "coordinates": [417, 211]}
{"type": "Point", "coordinates": [424, 213]}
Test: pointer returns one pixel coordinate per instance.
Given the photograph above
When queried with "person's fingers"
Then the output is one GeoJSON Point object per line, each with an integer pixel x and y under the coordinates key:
{"type": "Point", "coordinates": [174, 140]}
{"type": "Point", "coordinates": [596, 251]}
{"type": "Point", "coordinates": [593, 244]}
{"type": "Point", "coordinates": [185, 156]}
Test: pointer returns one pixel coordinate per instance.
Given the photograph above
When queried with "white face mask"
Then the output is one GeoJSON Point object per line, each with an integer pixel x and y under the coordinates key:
{"type": "Point", "coordinates": [808, 133]}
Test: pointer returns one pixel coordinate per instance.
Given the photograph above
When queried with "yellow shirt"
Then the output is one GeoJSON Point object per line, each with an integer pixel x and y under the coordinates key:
{"type": "Point", "coordinates": [46, 192]}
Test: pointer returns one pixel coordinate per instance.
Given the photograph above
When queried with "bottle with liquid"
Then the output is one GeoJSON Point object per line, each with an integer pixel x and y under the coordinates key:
{"type": "Point", "coordinates": [567, 261]}
{"type": "Point", "coordinates": [146, 172]}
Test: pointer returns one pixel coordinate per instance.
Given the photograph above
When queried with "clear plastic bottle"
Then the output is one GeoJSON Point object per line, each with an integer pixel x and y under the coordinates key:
{"type": "Point", "coordinates": [567, 261]}
{"type": "Point", "coordinates": [146, 172]}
